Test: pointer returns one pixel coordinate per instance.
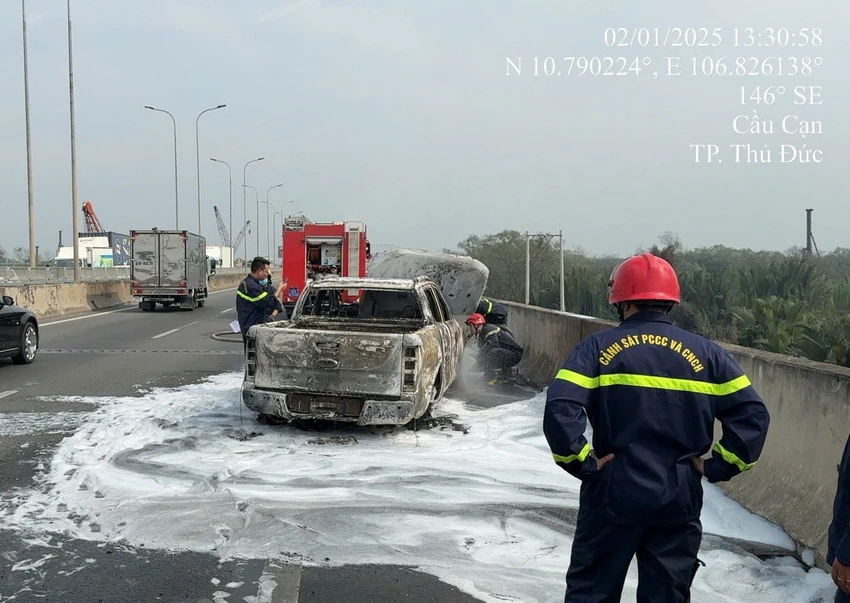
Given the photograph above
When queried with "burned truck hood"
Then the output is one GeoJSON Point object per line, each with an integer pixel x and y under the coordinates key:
{"type": "Point", "coordinates": [461, 278]}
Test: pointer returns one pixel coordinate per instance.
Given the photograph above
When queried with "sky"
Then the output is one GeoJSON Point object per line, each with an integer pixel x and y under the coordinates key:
{"type": "Point", "coordinates": [180, 476]}
{"type": "Point", "coordinates": [407, 115]}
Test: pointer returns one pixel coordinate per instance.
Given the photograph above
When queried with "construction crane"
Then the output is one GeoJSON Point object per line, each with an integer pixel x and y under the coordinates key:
{"type": "Point", "coordinates": [92, 222]}
{"type": "Point", "coordinates": [222, 229]}
{"type": "Point", "coordinates": [240, 236]}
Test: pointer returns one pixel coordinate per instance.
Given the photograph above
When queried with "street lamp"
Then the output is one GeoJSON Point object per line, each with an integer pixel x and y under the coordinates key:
{"type": "Point", "coordinates": [198, 160]}
{"type": "Point", "coordinates": [76, 235]}
{"type": "Point", "coordinates": [244, 203]}
{"type": "Point", "coordinates": [257, 199]}
{"type": "Point", "coordinates": [230, 193]}
{"type": "Point", "coordinates": [268, 237]}
{"type": "Point", "coordinates": [30, 202]}
{"type": "Point", "coordinates": [176, 204]}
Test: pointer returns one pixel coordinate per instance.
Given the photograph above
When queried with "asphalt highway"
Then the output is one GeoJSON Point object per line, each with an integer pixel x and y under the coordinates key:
{"type": "Point", "coordinates": [122, 353]}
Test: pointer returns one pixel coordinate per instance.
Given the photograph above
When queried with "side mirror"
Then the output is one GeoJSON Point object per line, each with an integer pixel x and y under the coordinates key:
{"type": "Point", "coordinates": [8, 301]}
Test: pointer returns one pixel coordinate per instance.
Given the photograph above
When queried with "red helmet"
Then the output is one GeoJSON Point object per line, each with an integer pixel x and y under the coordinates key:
{"type": "Point", "coordinates": [643, 277]}
{"type": "Point", "coordinates": [476, 319]}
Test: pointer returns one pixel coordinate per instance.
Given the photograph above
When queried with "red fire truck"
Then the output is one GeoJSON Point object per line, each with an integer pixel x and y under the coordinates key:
{"type": "Point", "coordinates": [311, 249]}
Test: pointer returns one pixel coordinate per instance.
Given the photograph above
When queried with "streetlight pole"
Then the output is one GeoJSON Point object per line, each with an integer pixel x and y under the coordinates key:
{"type": "Point", "coordinates": [527, 267]}
{"type": "Point", "coordinates": [257, 199]}
{"type": "Point", "coordinates": [230, 193]}
{"type": "Point", "coordinates": [549, 237]}
{"type": "Point", "coordinates": [198, 160]}
{"type": "Point", "coordinates": [74, 219]}
{"type": "Point", "coordinates": [245, 204]}
{"type": "Point", "coordinates": [30, 203]}
{"type": "Point", "coordinates": [268, 235]}
{"type": "Point", "coordinates": [176, 204]}
{"type": "Point", "coordinates": [561, 237]}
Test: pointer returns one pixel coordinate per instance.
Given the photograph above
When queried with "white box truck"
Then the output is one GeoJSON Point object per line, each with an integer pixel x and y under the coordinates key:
{"type": "Point", "coordinates": [168, 267]}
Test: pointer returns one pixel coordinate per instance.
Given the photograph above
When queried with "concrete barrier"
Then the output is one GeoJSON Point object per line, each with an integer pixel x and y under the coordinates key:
{"type": "Point", "coordinates": [53, 300]}
{"type": "Point", "coordinates": [795, 480]}
{"type": "Point", "coordinates": [226, 281]}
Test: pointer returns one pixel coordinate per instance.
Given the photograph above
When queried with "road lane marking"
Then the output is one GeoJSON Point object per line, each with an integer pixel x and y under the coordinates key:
{"type": "Point", "coordinates": [288, 582]}
{"type": "Point", "coordinates": [228, 310]}
{"type": "Point", "coordinates": [59, 322]}
{"type": "Point", "coordinates": [175, 330]}
{"type": "Point", "coordinates": [8, 393]}
{"type": "Point", "coordinates": [97, 314]}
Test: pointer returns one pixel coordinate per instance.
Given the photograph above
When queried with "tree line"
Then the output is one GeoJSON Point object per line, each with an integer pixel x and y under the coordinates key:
{"type": "Point", "coordinates": [19, 256]}
{"type": "Point", "coordinates": [776, 301]}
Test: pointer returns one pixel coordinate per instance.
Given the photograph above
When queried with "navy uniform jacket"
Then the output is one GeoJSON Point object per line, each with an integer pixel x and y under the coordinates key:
{"type": "Point", "coordinates": [493, 337]}
{"type": "Point", "coordinates": [254, 303]}
{"type": "Point", "coordinates": [496, 314]}
{"type": "Point", "coordinates": [652, 392]}
{"type": "Point", "coordinates": [839, 534]}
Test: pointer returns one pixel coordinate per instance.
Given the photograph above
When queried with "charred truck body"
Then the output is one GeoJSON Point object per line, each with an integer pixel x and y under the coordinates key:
{"type": "Point", "coordinates": [382, 358]}
{"type": "Point", "coordinates": [168, 267]}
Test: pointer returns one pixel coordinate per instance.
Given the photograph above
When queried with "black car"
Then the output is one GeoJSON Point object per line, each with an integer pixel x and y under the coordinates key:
{"type": "Point", "coordinates": [18, 332]}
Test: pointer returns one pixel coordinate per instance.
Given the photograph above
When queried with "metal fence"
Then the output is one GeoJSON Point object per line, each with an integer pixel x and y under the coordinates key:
{"type": "Point", "coordinates": [24, 275]}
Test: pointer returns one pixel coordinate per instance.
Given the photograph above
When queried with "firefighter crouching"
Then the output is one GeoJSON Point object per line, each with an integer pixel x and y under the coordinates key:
{"type": "Point", "coordinates": [498, 351]}
{"type": "Point", "coordinates": [652, 392]}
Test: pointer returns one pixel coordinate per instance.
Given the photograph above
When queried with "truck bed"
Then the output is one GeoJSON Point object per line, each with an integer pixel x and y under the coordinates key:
{"type": "Point", "coordinates": [334, 359]}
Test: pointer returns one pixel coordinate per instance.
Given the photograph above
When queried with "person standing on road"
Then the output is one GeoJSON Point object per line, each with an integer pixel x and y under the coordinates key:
{"type": "Point", "coordinates": [652, 392]}
{"type": "Point", "coordinates": [255, 299]}
{"type": "Point", "coordinates": [838, 546]}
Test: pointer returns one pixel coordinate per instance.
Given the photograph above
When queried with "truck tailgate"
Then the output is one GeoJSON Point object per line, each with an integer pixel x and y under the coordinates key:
{"type": "Point", "coordinates": [172, 258]}
{"type": "Point", "coordinates": [332, 362]}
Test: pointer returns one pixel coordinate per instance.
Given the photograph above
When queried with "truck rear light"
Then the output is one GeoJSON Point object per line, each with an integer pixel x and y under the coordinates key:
{"type": "Point", "coordinates": [251, 357]}
{"type": "Point", "coordinates": [409, 383]}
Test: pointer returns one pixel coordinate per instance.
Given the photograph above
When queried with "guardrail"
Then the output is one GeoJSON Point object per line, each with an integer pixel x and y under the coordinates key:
{"type": "Point", "coordinates": [10, 276]}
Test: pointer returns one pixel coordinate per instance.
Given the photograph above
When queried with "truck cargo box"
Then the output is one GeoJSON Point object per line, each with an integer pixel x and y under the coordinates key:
{"type": "Point", "coordinates": [168, 267]}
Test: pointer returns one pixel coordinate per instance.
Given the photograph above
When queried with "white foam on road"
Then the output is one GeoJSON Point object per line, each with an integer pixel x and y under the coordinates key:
{"type": "Point", "coordinates": [25, 423]}
{"type": "Point", "coordinates": [479, 510]}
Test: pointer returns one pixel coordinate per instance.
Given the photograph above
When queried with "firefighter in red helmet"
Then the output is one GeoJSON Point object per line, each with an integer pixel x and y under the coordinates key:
{"type": "Point", "coordinates": [498, 351]}
{"type": "Point", "coordinates": [651, 392]}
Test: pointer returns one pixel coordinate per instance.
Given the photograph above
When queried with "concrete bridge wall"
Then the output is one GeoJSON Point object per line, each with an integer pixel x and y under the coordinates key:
{"type": "Point", "coordinates": [795, 480]}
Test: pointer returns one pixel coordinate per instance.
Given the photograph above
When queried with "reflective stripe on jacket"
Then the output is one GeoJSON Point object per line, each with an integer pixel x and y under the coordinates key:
{"type": "Point", "coordinates": [493, 313]}
{"type": "Point", "coordinates": [254, 303]}
{"type": "Point", "coordinates": [652, 392]}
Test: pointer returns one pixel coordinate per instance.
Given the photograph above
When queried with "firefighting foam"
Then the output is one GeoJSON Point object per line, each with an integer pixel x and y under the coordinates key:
{"type": "Point", "coordinates": [485, 510]}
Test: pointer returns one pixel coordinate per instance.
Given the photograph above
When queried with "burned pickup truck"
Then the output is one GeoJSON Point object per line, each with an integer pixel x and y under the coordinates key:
{"type": "Point", "coordinates": [382, 360]}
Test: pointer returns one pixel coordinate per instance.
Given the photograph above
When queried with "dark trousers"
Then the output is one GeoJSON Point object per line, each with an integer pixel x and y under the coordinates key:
{"type": "Point", "coordinates": [840, 597]}
{"type": "Point", "coordinates": [602, 551]}
{"type": "Point", "coordinates": [499, 358]}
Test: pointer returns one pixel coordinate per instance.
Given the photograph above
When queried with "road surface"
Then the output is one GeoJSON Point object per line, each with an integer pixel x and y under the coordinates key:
{"type": "Point", "coordinates": [125, 352]}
